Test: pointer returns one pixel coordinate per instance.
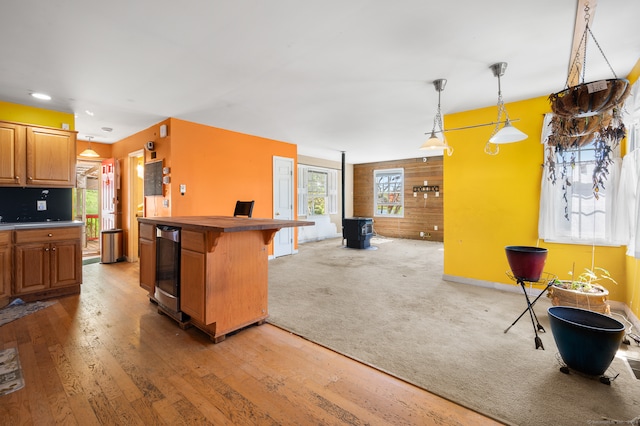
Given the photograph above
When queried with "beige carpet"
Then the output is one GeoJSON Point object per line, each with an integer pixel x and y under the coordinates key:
{"type": "Point", "coordinates": [390, 308]}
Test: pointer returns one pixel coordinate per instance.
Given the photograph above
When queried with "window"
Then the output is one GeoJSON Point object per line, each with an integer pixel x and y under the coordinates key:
{"type": "Point", "coordinates": [570, 211]}
{"type": "Point", "coordinates": [389, 188]}
{"type": "Point", "coordinates": [317, 191]}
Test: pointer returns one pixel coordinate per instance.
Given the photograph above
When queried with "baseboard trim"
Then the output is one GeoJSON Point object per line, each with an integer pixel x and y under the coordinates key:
{"type": "Point", "coordinates": [514, 288]}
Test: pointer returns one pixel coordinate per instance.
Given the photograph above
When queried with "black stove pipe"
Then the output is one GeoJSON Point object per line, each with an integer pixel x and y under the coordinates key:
{"type": "Point", "coordinates": [343, 196]}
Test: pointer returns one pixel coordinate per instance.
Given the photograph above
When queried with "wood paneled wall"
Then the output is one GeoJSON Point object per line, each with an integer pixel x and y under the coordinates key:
{"type": "Point", "coordinates": [420, 214]}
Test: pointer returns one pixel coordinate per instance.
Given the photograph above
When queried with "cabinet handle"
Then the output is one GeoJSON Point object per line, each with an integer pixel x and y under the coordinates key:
{"type": "Point", "coordinates": [30, 178]}
{"type": "Point", "coordinates": [49, 235]}
{"type": "Point", "coordinates": [53, 249]}
{"type": "Point", "coordinates": [46, 249]}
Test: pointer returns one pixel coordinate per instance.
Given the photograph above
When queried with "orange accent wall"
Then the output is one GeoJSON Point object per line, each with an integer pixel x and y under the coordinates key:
{"type": "Point", "coordinates": [101, 148]}
{"type": "Point", "coordinates": [218, 167]}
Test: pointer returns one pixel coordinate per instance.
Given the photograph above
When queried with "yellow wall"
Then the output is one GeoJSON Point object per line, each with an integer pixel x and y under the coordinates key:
{"type": "Point", "coordinates": [37, 116]}
{"type": "Point", "coordinates": [493, 202]}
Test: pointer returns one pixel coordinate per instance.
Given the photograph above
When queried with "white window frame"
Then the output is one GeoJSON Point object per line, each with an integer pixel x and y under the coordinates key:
{"type": "Point", "coordinates": [581, 218]}
{"type": "Point", "coordinates": [394, 209]}
{"type": "Point", "coordinates": [331, 200]}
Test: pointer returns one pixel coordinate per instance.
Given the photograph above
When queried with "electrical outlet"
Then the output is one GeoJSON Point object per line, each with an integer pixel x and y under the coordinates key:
{"type": "Point", "coordinates": [425, 195]}
{"type": "Point", "coordinates": [421, 234]}
{"type": "Point", "coordinates": [165, 203]}
{"type": "Point", "coordinates": [435, 227]}
{"type": "Point", "coordinates": [41, 205]}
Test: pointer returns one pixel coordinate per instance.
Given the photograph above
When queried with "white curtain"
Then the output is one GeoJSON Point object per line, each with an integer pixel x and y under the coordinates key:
{"type": "Point", "coordinates": [552, 204]}
{"type": "Point", "coordinates": [549, 193]}
{"type": "Point", "coordinates": [628, 209]}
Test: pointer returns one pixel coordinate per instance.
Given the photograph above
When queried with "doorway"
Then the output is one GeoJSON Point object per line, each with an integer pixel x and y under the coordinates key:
{"type": "Point", "coordinates": [136, 201]}
{"type": "Point", "coordinates": [86, 206]}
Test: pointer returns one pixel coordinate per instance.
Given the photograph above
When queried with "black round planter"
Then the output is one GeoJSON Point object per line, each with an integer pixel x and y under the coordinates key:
{"type": "Point", "coordinates": [587, 341]}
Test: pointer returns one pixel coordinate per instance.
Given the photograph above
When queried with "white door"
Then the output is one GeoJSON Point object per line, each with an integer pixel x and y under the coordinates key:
{"type": "Point", "coordinates": [283, 204]}
{"type": "Point", "coordinates": [109, 193]}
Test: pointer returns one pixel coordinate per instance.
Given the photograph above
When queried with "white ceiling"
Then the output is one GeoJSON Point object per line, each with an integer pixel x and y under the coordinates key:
{"type": "Point", "coordinates": [327, 75]}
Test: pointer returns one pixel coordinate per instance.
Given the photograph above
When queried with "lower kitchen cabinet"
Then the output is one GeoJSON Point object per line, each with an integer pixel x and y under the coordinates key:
{"type": "Point", "coordinates": [5, 266]}
{"type": "Point", "coordinates": [48, 262]}
{"type": "Point", "coordinates": [147, 255]}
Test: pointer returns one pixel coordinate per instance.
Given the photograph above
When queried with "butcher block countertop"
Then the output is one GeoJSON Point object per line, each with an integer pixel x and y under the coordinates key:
{"type": "Point", "coordinates": [223, 223]}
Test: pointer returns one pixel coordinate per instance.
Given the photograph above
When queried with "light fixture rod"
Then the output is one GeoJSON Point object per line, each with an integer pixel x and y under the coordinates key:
{"type": "Point", "coordinates": [493, 123]}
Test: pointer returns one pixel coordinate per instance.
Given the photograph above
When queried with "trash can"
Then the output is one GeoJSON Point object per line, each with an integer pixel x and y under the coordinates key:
{"type": "Point", "coordinates": [111, 246]}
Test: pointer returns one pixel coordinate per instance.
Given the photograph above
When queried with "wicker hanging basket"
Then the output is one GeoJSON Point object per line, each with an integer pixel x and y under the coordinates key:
{"type": "Point", "coordinates": [589, 99]}
{"type": "Point", "coordinates": [580, 126]}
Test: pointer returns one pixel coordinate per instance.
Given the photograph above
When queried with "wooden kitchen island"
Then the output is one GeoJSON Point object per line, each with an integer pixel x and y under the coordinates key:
{"type": "Point", "coordinates": [223, 268]}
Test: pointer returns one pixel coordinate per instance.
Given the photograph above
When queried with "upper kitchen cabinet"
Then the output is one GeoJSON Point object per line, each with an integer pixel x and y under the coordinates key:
{"type": "Point", "coordinates": [37, 156]}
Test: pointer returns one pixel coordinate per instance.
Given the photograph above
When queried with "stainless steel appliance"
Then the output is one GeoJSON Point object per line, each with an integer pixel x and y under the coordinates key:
{"type": "Point", "coordinates": [167, 292]}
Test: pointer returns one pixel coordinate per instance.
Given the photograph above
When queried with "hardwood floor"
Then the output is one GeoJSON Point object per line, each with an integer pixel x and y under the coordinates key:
{"type": "Point", "coordinates": [106, 357]}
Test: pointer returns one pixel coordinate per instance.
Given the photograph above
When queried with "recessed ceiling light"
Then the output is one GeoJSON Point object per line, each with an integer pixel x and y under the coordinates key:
{"type": "Point", "coordinates": [41, 96]}
{"type": "Point", "coordinates": [89, 112]}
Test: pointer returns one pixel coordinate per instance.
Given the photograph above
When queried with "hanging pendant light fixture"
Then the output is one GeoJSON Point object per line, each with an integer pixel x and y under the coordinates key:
{"type": "Point", "coordinates": [508, 133]}
{"type": "Point", "coordinates": [89, 152]}
{"type": "Point", "coordinates": [434, 143]}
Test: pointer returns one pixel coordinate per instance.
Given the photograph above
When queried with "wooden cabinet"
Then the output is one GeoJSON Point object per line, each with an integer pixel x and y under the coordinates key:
{"type": "Point", "coordinates": [36, 156]}
{"type": "Point", "coordinates": [192, 274]}
{"type": "Point", "coordinates": [147, 247]}
{"type": "Point", "coordinates": [48, 261]}
{"type": "Point", "coordinates": [5, 266]}
{"type": "Point", "coordinates": [224, 280]}
{"type": "Point", "coordinates": [224, 276]}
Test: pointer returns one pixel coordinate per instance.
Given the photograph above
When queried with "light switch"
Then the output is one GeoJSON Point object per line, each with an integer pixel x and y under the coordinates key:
{"type": "Point", "coordinates": [435, 227]}
{"type": "Point", "coordinates": [183, 188]}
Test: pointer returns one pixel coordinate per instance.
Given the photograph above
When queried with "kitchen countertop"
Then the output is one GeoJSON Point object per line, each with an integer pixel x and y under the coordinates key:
{"type": "Point", "coordinates": [38, 225]}
{"type": "Point", "coordinates": [224, 223]}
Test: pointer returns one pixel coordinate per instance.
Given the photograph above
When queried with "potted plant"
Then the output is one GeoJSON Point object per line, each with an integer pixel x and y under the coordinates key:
{"type": "Point", "coordinates": [583, 291]}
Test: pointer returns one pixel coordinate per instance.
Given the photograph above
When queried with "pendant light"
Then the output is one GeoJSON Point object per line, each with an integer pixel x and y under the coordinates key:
{"type": "Point", "coordinates": [434, 143]}
{"type": "Point", "coordinates": [508, 133]}
{"type": "Point", "coordinates": [89, 152]}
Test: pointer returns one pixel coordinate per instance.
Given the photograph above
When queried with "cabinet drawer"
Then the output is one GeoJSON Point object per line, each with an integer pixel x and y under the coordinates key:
{"type": "Point", "coordinates": [147, 231]}
{"type": "Point", "coordinates": [194, 241]}
{"type": "Point", "coordinates": [48, 234]}
{"type": "Point", "coordinates": [5, 238]}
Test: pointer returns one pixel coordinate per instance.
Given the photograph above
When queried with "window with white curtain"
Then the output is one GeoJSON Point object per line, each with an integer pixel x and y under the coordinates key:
{"type": "Point", "coordinates": [388, 190]}
{"type": "Point", "coordinates": [628, 211]}
{"type": "Point", "coordinates": [317, 191]}
{"type": "Point", "coordinates": [570, 211]}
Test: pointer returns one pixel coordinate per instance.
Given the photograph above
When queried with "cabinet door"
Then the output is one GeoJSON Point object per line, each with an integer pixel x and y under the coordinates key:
{"type": "Point", "coordinates": [12, 154]}
{"type": "Point", "coordinates": [51, 157]}
{"type": "Point", "coordinates": [66, 263]}
{"type": "Point", "coordinates": [147, 247]}
{"type": "Point", "coordinates": [32, 270]}
{"type": "Point", "coordinates": [192, 284]}
{"type": "Point", "coordinates": [5, 265]}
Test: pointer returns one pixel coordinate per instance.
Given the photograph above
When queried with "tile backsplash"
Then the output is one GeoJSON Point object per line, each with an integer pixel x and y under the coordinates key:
{"type": "Point", "coordinates": [35, 204]}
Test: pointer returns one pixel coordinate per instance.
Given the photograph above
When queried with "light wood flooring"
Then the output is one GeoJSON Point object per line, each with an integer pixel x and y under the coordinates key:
{"type": "Point", "coordinates": [107, 357]}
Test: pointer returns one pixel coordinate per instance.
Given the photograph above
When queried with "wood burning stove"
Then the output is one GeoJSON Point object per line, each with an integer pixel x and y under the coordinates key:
{"type": "Point", "coordinates": [358, 232]}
